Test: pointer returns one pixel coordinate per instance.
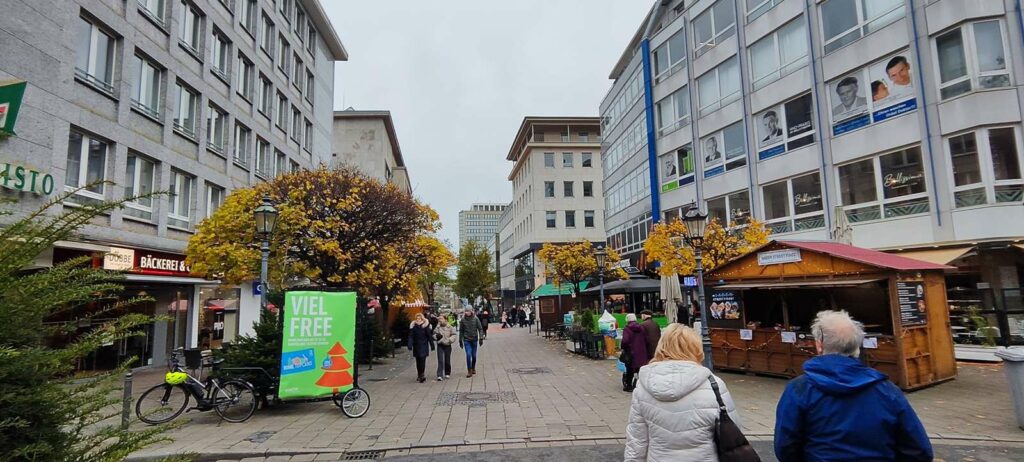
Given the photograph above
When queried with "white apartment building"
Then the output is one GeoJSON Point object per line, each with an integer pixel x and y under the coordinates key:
{"type": "Point", "coordinates": [194, 97]}
{"type": "Point", "coordinates": [556, 190]}
{"type": "Point", "coordinates": [367, 140]}
{"type": "Point", "coordinates": [893, 123]}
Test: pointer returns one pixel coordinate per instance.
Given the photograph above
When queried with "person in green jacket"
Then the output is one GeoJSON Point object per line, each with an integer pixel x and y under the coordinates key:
{"type": "Point", "coordinates": [469, 338]}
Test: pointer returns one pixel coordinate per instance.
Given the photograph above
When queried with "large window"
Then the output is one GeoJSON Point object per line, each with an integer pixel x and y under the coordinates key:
{"type": "Point", "coordinates": [179, 214]}
{"type": "Point", "coordinates": [307, 143]}
{"type": "Point", "coordinates": [282, 112]}
{"type": "Point", "coordinates": [670, 57]}
{"type": "Point", "coordinates": [778, 54]}
{"type": "Point", "coordinates": [284, 55]}
{"type": "Point", "coordinates": [267, 36]}
{"type": "Point", "coordinates": [549, 189]}
{"type": "Point", "coordinates": [297, 74]}
{"type": "Point", "coordinates": [549, 159]}
{"type": "Point", "coordinates": [247, 11]}
{"type": "Point", "coordinates": [87, 165]}
{"type": "Point", "coordinates": [296, 124]}
{"type": "Point", "coordinates": [588, 189]}
{"type": "Point", "coordinates": [566, 160]}
{"type": "Point", "coordinates": [588, 218]}
{"type": "Point", "coordinates": [243, 144]}
{"type": "Point", "coordinates": [280, 164]}
{"type": "Point", "coordinates": [140, 177]}
{"type": "Point", "coordinates": [154, 9]}
{"type": "Point", "coordinates": [146, 91]}
{"type": "Point", "coordinates": [188, 108]}
{"type": "Point", "coordinates": [549, 218]}
{"type": "Point", "coordinates": [220, 55]}
{"type": "Point", "coordinates": [972, 57]}
{"type": "Point", "coordinates": [567, 189]}
{"type": "Point", "coordinates": [713, 25]}
{"type": "Point", "coordinates": [731, 210]}
{"type": "Point", "coordinates": [246, 76]}
{"type": "Point", "coordinates": [794, 204]}
{"type": "Point", "coordinates": [262, 157]}
{"type": "Point", "coordinates": [587, 159]}
{"type": "Point", "coordinates": [214, 198]}
{"type": "Point", "coordinates": [95, 55]}
{"type": "Point", "coordinates": [891, 185]}
{"type": "Point", "coordinates": [731, 140]}
{"type": "Point", "coordinates": [628, 144]}
{"type": "Point", "coordinates": [216, 128]}
{"type": "Point", "coordinates": [310, 86]}
{"type": "Point", "coordinates": [630, 189]}
{"type": "Point", "coordinates": [673, 112]}
{"type": "Point", "coordinates": [784, 127]}
{"type": "Point", "coordinates": [845, 21]}
{"type": "Point", "coordinates": [755, 8]}
{"type": "Point", "coordinates": [872, 94]}
{"type": "Point", "coordinates": [191, 28]}
{"type": "Point", "coordinates": [265, 96]}
{"type": "Point", "coordinates": [719, 86]}
{"type": "Point", "coordinates": [570, 218]}
{"type": "Point", "coordinates": [986, 167]}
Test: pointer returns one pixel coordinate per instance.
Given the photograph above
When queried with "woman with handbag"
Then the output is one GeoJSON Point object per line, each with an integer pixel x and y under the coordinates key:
{"type": "Point", "coordinates": [634, 345]}
{"type": "Point", "coordinates": [680, 410]}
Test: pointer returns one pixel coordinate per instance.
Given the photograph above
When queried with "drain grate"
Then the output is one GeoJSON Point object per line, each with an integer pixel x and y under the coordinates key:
{"type": "Point", "coordinates": [363, 455]}
{"type": "Point", "coordinates": [476, 398]}
{"type": "Point", "coordinates": [530, 370]}
{"type": "Point", "coordinates": [260, 437]}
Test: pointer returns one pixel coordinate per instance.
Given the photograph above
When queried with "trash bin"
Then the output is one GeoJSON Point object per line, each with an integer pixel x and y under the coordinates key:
{"type": "Point", "coordinates": [1013, 361]}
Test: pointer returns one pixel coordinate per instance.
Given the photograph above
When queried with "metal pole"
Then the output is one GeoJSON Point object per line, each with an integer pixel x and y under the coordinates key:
{"type": "Point", "coordinates": [264, 257]}
{"type": "Point", "coordinates": [126, 404]}
{"type": "Point", "coordinates": [704, 334]}
{"type": "Point", "coordinates": [366, 314]}
{"type": "Point", "coordinates": [600, 280]}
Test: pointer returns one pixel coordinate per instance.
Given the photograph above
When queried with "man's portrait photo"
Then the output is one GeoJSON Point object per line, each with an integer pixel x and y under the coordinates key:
{"type": "Point", "coordinates": [770, 124]}
{"type": "Point", "coordinates": [711, 153]}
{"type": "Point", "coordinates": [848, 92]}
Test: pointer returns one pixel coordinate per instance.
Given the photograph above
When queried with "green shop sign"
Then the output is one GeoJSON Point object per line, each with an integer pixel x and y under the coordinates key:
{"type": "Point", "coordinates": [22, 178]}
{"type": "Point", "coordinates": [10, 103]}
{"type": "Point", "coordinates": [317, 351]}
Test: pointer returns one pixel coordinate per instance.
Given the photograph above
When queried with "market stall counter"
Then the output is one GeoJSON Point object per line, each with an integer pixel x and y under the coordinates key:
{"type": "Point", "coordinates": [762, 305]}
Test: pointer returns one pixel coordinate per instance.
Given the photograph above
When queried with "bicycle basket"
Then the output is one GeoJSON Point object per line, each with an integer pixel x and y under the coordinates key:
{"type": "Point", "coordinates": [175, 378]}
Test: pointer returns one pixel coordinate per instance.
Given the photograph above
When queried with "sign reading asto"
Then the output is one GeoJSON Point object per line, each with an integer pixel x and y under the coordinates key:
{"type": "Point", "coordinates": [778, 257]}
{"type": "Point", "coordinates": [145, 262]}
{"type": "Point", "coordinates": [25, 179]}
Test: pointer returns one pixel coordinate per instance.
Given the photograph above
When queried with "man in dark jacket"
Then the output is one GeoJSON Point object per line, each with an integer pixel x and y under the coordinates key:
{"type": "Point", "coordinates": [652, 333]}
{"type": "Point", "coordinates": [842, 410]}
{"type": "Point", "coordinates": [470, 332]}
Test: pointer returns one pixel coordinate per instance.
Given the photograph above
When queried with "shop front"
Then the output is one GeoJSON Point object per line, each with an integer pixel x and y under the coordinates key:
{"type": "Point", "coordinates": [762, 304]}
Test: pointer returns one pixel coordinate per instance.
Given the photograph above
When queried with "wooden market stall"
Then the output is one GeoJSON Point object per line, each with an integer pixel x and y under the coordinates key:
{"type": "Point", "coordinates": [761, 306]}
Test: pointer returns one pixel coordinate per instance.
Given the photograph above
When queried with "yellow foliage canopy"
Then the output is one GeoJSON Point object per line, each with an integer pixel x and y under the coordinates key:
{"type": "Point", "coordinates": [667, 246]}
{"type": "Point", "coordinates": [574, 262]}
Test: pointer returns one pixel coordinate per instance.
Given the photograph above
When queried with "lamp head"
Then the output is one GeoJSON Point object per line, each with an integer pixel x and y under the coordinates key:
{"type": "Point", "coordinates": [695, 222]}
{"type": "Point", "coordinates": [266, 217]}
{"type": "Point", "coordinates": [601, 255]}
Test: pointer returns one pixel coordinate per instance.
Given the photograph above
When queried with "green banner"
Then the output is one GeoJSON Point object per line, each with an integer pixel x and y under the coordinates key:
{"type": "Point", "coordinates": [318, 348]}
{"type": "Point", "coordinates": [10, 103]}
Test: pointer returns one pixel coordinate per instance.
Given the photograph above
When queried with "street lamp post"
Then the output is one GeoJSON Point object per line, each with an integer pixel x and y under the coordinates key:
{"type": "Point", "coordinates": [695, 222]}
{"type": "Point", "coordinates": [601, 256]}
{"type": "Point", "coordinates": [266, 221]}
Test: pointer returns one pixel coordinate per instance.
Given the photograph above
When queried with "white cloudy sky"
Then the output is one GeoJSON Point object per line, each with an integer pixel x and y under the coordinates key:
{"type": "Point", "coordinates": [459, 76]}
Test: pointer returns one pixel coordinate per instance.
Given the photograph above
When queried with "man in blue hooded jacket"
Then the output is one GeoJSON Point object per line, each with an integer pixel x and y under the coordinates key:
{"type": "Point", "coordinates": [842, 410]}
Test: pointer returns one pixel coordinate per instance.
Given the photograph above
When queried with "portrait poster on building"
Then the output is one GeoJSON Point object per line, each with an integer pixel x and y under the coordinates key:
{"type": "Point", "coordinates": [669, 172]}
{"type": "Point", "coordinates": [872, 94]}
{"type": "Point", "coordinates": [318, 346]}
{"type": "Point", "coordinates": [711, 150]}
{"type": "Point", "coordinates": [784, 127]}
{"type": "Point", "coordinates": [910, 296]}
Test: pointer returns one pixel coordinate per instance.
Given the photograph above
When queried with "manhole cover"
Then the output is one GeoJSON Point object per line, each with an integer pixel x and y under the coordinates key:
{"type": "Point", "coordinates": [260, 437]}
{"type": "Point", "coordinates": [474, 399]}
{"type": "Point", "coordinates": [363, 455]}
{"type": "Point", "coordinates": [530, 370]}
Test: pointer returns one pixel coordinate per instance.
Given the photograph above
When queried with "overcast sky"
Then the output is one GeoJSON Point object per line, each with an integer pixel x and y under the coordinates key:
{"type": "Point", "coordinates": [459, 76]}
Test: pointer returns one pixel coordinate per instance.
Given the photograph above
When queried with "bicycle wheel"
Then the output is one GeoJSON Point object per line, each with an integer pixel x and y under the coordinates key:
{"type": "Point", "coordinates": [353, 403]}
{"type": "Point", "coordinates": [235, 401]}
{"type": "Point", "coordinates": [161, 404]}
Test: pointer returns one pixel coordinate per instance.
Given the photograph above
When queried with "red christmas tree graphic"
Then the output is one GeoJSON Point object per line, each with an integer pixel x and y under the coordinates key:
{"type": "Point", "coordinates": [336, 374]}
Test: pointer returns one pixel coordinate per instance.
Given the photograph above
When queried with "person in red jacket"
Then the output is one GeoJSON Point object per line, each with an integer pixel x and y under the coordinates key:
{"type": "Point", "coordinates": [634, 342]}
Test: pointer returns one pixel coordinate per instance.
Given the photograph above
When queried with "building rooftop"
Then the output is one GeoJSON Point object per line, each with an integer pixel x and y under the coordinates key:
{"type": "Point", "coordinates": [319, 17]}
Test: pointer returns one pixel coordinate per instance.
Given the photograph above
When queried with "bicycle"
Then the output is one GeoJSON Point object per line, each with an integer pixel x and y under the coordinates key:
{"type": "Point", "coordinates": [233, 400]}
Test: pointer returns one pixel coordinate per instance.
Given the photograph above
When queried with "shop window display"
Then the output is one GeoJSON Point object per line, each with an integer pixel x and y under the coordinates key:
{"type": "Point", "coordinates": [218, 316]}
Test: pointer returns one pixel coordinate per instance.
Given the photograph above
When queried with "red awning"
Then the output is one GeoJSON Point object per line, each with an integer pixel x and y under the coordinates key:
{"type": "Point", "coordinates": [865, 256]}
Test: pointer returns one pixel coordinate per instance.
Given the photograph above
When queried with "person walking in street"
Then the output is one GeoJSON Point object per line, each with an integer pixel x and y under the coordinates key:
{"type": "Point", "coordinates": [843, 410]}
{"type": "Point", "coordinates": [635, 344]}
{"type": "Point", "coordinates": [432, 318]}
{"type": "Point", "coordinates": [485, 319]}
{"type": "Point", "coordinates": [674, 410]}
{"type": "Point", "coordinates": [445, 336]}
{"type": "Point", "coordinates": [504, 319]}
{"type": "Point", "coordinates": [421, 343]}
{"type": "Point", "coordinates": [469, 339]}
{"type": "Point", "coordinates": [652, 332]}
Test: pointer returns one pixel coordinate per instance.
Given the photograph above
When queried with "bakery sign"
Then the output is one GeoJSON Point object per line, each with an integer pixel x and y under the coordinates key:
{"type": "Point", "coordinates": [140, 261]}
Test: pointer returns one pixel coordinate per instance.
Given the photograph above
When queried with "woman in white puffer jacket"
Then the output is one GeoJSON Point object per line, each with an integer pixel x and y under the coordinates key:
{"type": "Point", "coordinates": [674, 410]}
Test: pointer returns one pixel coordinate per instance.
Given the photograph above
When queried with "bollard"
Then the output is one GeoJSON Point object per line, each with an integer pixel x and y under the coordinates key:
{"type": "Point", "coordinates": [126, 404]}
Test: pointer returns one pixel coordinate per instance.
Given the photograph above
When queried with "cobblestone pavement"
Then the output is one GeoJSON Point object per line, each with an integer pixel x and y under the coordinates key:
{"type": "Point", "coordinates": [529, 392]}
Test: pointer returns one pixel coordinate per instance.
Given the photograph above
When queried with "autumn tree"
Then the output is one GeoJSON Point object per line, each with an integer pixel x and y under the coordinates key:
{"type": "Point", "coordinates": [395, 276]}
{"type": "Point", "coordinates": [667, 245]}
{"type": "Point", "coordinates": [429, 281]}
{"type": "Point", "coordinates": [574, 262]}
{"type": "Point", "coordinates": [475, 272]}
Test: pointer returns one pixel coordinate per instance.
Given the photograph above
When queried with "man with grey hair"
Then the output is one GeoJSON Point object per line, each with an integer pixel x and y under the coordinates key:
{"type": "Point", "coordinates": [842, 410]}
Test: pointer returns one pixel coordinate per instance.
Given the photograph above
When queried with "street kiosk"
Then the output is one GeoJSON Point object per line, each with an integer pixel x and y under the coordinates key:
{"type": "Point", "coordinates": [761, 306]}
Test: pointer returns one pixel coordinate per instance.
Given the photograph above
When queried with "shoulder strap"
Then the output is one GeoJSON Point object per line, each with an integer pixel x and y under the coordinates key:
{"type": "Point", "coordinates": [718, 395]}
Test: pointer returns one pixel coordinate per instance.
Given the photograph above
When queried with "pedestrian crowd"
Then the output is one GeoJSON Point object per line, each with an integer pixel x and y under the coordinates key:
{"type": "Point", "coordinates": [439, 332]}
{"type": "Point", "coordinates": [838, 410]}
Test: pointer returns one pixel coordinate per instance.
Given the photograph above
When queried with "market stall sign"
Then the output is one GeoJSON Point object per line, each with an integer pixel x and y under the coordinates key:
{"type": "Point", "coordinates": [910, 296]}
{"type": "Point", "coordinates": [778, 257]}
{"type": "Point", "coordinates": [11, 93]}
{"type": "Point", "coordinates": [318, 344]}
{"type": "Point", "coordinates": [25, 179]}
{"type": "Point", "coordinates": [140, 261]}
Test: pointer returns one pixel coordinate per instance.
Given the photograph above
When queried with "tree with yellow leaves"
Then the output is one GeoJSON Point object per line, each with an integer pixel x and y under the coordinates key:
{"type": "Point", "coordinates": [667, 245]}
{"type": "Point", "coordinates": [574, 262]}
{"type": "Point", "coordinates": [395, 276]}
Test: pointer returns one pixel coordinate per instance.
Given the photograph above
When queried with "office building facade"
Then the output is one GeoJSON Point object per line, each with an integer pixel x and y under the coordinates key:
{"type": "Point", "coordinates": [891, 124]}
{"type": "Point", "coordinates": [479, 224]}
{"type": "Point", "coordinates": [367, 140]}
{"type": "Point", "coordinates": [193, 97]}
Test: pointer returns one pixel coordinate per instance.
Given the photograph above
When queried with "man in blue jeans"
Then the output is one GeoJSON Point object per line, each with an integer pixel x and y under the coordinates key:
{"type": "Point", "coordinates": [469, 337]}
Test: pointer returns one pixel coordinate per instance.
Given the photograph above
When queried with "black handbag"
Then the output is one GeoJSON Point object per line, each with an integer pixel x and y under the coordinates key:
{"type": "Point", "coordinates": [730, 443]}
{"type": "Point", "coordinates": [626, 358]}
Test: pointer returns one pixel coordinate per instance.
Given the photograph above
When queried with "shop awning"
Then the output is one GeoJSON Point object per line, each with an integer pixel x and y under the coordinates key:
{"type": "Point", "coordinates": [549, 290]}
{"type": "Point", "coordinates": [633, 285]}
{"type": "Point", "coordinates": [797, 284]}
{"type": "Point", "coordinates": [937, 256]}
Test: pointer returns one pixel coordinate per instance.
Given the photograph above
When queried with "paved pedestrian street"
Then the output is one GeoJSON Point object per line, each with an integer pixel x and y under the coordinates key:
{"type": "Point", "coordinates": [528, 393]}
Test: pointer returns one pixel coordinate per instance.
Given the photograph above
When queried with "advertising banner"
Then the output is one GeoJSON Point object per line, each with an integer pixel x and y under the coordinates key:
{"type": "Point", "coordinates": [318, 348]}
{"type": "Point", "coordinates": [11, 93]}
{"type": "Point", "coordinates": [910, 296]}
{"type": "Point", "coordinates": [873, 94]}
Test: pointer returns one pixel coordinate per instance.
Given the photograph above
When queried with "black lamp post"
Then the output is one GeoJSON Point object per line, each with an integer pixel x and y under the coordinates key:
{"type": "Point", "coordinates": [601, 255]}
{"type": "Point", "coordinates": [696, 222]}
{"type": "Point", "coordinates": [266, 221]}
